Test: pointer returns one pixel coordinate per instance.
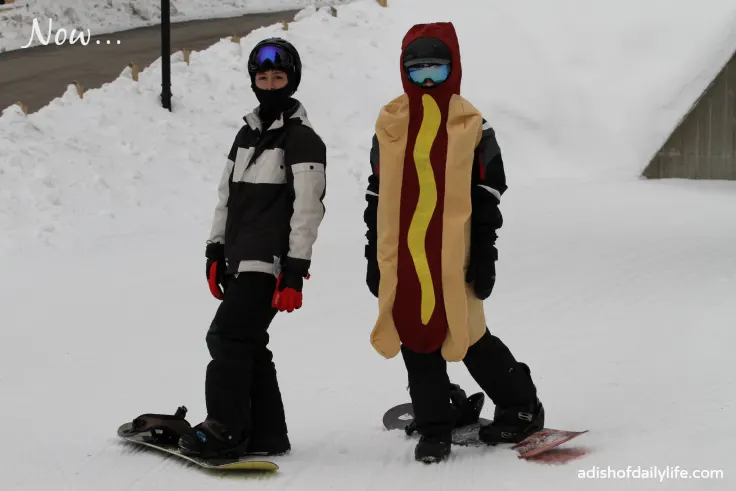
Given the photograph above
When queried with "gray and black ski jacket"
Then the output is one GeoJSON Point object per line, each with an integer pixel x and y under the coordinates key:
{"type": "Point", "coordinates": [271, 195]}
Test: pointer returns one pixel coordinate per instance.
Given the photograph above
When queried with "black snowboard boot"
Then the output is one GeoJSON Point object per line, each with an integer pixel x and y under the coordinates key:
{"type": "Point", "coordinates": [513, 424]}
{"type": "Point", "coordinates": [268, 445]}
{"type": "Point", "coordinates": [432, 449]}
{"type": "Point", "coordinates": [210, 440]}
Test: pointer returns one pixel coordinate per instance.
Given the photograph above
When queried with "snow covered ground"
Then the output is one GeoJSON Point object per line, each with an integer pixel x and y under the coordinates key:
{"type": "Point", "coordinates": [617, 292]}
{"type": "Point", "coordinates": [106, 16]}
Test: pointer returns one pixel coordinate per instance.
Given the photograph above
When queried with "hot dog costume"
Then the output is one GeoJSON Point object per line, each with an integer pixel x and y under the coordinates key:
{"type": "Point", "coordinates": [427, 142]}
{"type": "Point", "coordinates": [432, 212]}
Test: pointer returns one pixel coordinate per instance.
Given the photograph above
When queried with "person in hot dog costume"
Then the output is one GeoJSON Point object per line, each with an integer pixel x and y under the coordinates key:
{"type": "Point", "coordinates": [432, 215]}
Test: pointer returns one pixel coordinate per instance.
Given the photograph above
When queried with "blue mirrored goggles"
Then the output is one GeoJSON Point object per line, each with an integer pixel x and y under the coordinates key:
{"type": "Point", "coordinates": [270, 56]}
{"type": "Point", "coordinates": [436, 73]}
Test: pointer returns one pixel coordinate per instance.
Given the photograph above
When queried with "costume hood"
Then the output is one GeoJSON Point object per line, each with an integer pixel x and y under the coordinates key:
{"type": "Point", "coordinates": [445, 32]}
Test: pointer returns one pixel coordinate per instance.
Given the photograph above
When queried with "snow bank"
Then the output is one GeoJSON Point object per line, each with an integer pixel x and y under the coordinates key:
{"type": "Point", "coordinates": [106, 16]}
{"type": "Point", "coordinates": [584, 96]}
{"type": "Point", "coordinates": [116, 162]}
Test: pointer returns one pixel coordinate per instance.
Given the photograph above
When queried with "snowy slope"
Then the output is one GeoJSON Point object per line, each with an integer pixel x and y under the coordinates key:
{"type": "Point", "coordinates": [624, 313]}
{"type": "Point", "coordinates": [617, 292]}
{"type": "Point", "coordinates": [106, 16]}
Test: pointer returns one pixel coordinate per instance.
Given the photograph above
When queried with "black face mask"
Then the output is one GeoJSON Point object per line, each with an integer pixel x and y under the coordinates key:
{"type": "Point", "coordinates": [273, 102]}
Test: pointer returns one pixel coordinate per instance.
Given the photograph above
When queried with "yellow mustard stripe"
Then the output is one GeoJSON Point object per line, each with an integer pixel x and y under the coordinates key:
{"type": "Point", "coordinates": [426, 204]}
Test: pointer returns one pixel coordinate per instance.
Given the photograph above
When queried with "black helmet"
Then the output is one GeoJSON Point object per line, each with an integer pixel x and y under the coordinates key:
{"type": "Point", "coordinates": [276, 54]}
{"type": "Point", "coordinates": [427, 51]}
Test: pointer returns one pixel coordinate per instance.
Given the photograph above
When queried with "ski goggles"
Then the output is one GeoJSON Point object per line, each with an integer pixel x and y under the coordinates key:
{"type": "Point", "coordinates": [270, 56]}
{"type": "Point", "coordinates": [421, 73]}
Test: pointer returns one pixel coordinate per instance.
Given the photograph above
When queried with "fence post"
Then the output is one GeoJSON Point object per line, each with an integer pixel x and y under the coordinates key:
{"type": "Point", "coordinates": [135, 70]}
{"type": "Point", "coordinates": [80, 89]}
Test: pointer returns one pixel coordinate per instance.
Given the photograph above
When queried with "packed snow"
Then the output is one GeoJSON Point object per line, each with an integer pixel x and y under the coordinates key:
{"type": "Point", "coordinates": [107, 16]}
{"type": "Point", "coordinates": [617, 291]}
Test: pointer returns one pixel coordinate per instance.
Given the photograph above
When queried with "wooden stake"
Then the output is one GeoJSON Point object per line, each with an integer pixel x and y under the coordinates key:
{"type": "Point", "coordinates": [80, 89]}
{"type": "Point", "coordinates": [135, 70]}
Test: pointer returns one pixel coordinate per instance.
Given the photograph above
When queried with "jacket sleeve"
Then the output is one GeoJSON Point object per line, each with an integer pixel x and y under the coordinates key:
{"type": "Point", "coordinates": [305, 159]}
{"type": "Point", "coordinates": [488, 185]}
{"type": "Point", "coordinates": [370, 215]}
{"type": "Point", "coordinates": [219, 220]}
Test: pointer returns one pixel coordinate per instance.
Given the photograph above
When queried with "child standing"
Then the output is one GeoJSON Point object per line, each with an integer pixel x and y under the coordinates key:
{"type": "Point", "coordinates": [432, 216]}
{"type": "Point", "coordinates": [259, 252]}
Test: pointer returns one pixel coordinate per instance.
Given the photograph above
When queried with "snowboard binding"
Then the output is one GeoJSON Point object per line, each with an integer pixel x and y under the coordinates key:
{"type": "Point", "coordinates": [164, 428]}
{"type": "Point", "coordinates": [464, 410]}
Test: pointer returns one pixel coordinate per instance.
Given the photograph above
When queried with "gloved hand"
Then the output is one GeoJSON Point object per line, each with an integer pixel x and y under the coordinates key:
{"type": "Point", "coordinates": [373, 273]}
{"type": "Point", "coordinates": [482, 274]}
{"type": "Point", "coordinates": [288, 293]}
{"type": "Point", "coordinates": [215, 254]}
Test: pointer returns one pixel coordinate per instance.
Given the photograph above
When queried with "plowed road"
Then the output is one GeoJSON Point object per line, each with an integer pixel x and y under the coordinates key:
{"type": "Point", "coordinates": [38, 75]}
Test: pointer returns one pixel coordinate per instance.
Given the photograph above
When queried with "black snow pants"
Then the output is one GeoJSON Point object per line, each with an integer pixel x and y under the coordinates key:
{"type": "Point", "coordinates": [241, 387]}
{"type": "Point", "coordinates": [490, 363]}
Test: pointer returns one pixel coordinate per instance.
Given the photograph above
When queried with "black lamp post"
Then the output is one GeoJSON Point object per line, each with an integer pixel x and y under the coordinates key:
{"type": "Point", "coordinates": [165, 54]}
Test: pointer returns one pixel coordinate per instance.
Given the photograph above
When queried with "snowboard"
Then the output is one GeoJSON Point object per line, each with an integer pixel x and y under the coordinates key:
{"type": "Point", "coordinates": [401, 416]}
{"type": "Point", "coordinates": [247, 463]}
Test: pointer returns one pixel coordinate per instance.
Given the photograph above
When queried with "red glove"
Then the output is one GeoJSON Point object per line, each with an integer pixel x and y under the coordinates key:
{"type": "Point", "coordinates": [216, 267]}
{"type": "Point", "coordinates": [288, 293]}
{"type": "Point", "coordinates": [212, 282]}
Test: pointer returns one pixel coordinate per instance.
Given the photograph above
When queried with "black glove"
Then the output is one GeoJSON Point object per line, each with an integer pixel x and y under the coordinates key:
{"type": "Point", "coordinates": [482, 274]}
{"type": "Point", "coordinates": [216, 267]}
{"type": "Point", "coordinates": [373, 273]}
